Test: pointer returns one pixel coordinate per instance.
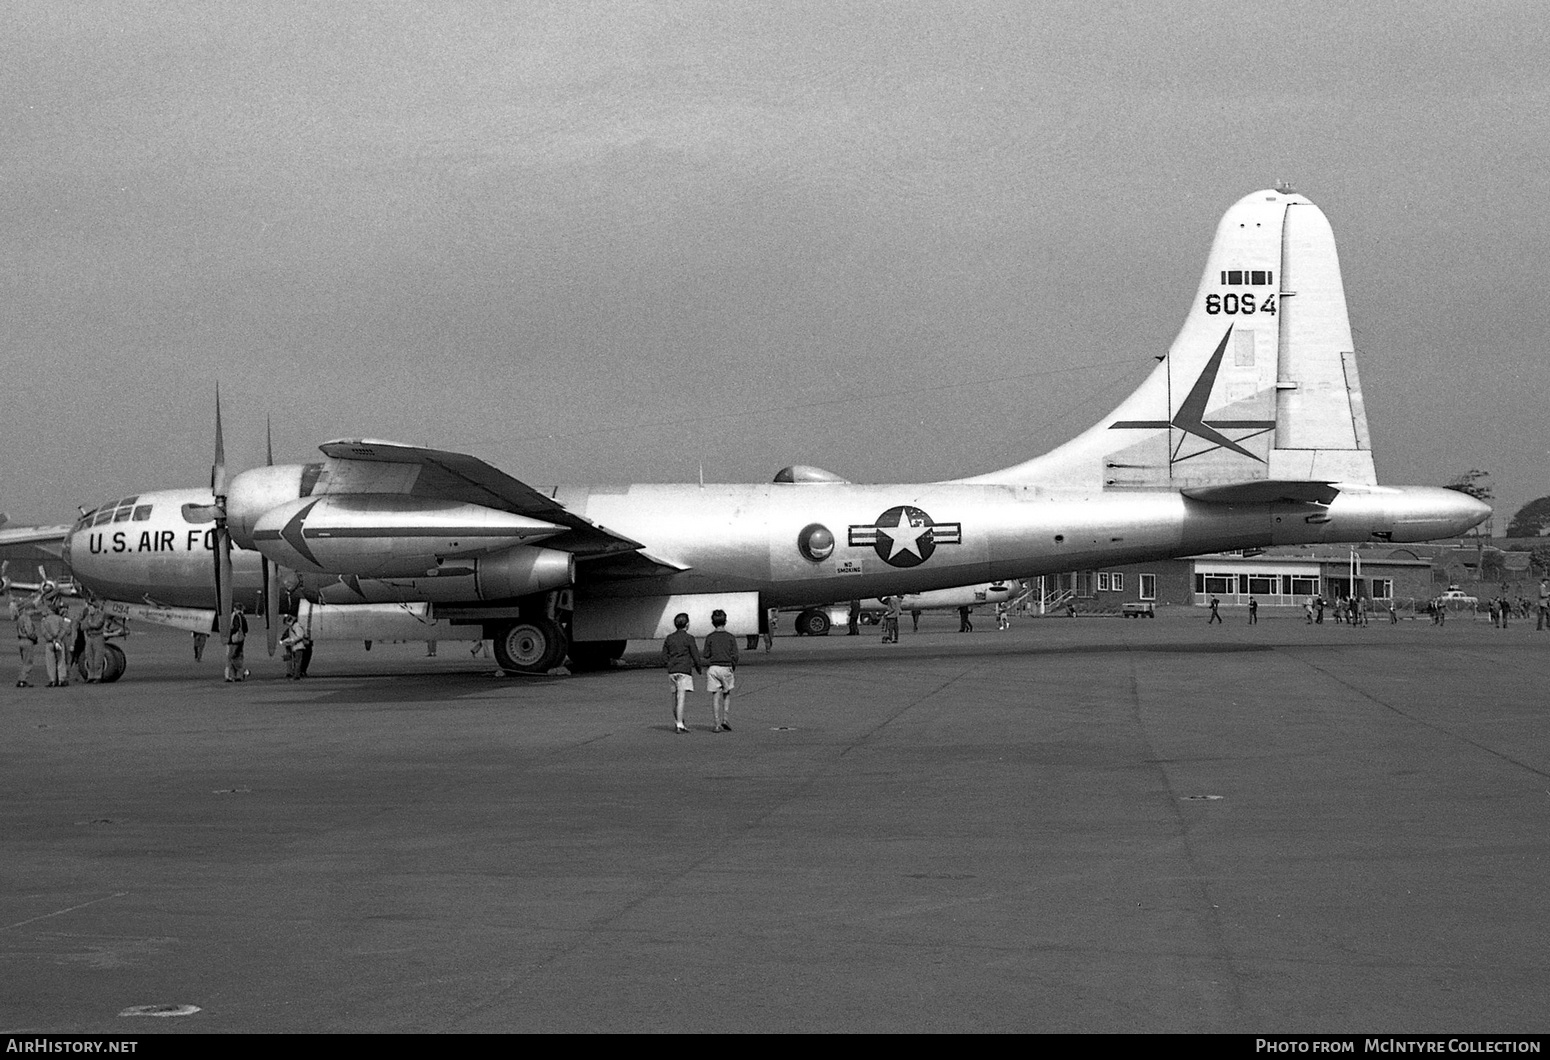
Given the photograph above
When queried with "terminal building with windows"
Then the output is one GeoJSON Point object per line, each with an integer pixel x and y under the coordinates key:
{"type": "Point", "coordinates": [1409, 575]}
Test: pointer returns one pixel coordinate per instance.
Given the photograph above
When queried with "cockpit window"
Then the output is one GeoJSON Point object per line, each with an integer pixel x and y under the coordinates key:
{"type": "Point", "coordinates": [122, 515]}
{"type": "Point", "coordinates": [103, 516]}
{"type": "Point", "coordinates": [142, 513]}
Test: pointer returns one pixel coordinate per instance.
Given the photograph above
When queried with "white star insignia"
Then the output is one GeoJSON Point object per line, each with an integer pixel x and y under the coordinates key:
{"type": "Point", "coordinates": [904, 536]}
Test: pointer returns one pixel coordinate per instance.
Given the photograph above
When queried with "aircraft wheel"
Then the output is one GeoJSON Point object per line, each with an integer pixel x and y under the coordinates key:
{"type": "Point", "coordinates": [595, 654]}
{"type": "Point", "coordinates": [114, 662]}
{"type": "Point", "coordinates": [813, 623]}
{"type": "Point", "coordinates": [530, 645]}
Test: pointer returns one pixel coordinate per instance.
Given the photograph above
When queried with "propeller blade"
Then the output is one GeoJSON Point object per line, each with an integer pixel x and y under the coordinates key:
{"type": "Point", "coordinates": [271, 606]}
{"type": "Point", "coordinates": [268, 442]}
{"type": "Point", "coordinates": [223, 587]}
{"type": "Point", "coordinates": [218, 469]}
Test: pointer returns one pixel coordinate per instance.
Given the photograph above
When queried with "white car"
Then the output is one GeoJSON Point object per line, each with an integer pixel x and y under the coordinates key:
{"type": "Point", "coordinates": [1457, 600]}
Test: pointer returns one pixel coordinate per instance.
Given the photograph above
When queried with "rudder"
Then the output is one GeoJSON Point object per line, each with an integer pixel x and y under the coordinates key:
{"type": "Point", "coordinates": [1259, 385]}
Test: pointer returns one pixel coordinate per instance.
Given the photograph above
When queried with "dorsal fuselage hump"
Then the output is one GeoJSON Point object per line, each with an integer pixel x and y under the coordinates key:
{"type": "Point", "coordinates": [1260, 384]}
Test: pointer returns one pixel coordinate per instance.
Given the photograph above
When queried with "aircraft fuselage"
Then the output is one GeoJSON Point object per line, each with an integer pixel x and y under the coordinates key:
{"type": "Point", "coordinates": [741, 538]}
{"type": "Point", "coordinates": [761, 538]}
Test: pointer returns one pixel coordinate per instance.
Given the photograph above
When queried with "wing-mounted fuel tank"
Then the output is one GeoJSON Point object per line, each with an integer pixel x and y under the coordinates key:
{"type": "Point", "coordinates": [385, 535]}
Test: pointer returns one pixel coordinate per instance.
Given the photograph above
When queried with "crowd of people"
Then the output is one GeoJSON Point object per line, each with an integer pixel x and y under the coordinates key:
{"type": "Point", "coordinates": [78, 647]}
{"type": "Point", "coordinates": [70, 646]}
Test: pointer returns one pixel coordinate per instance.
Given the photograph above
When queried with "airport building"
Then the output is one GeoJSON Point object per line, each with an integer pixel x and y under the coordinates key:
{"type": "Point", "coordinates": [1409, 575]}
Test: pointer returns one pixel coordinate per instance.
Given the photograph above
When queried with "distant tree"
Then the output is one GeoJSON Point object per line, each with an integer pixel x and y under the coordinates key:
{"type": "Point", "coordinates": [1470, 482]}
{"type": "Point", "coordinates": [1532, 520]}
{"type": "Point", "coordinates": [1492, 564]}
{"type": "Point", "coordinates": [1539, 559]}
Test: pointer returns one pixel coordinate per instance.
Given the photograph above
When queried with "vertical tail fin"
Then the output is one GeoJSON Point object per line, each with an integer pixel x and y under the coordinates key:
{"type": "Point", "coordinates": [1260, 385]}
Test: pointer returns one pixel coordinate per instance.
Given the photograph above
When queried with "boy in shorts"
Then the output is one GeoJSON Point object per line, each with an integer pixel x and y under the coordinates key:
{"type": "Point", "coordinates": [720, 664]}
{"type": "Point", "coordinates": [680, 656]}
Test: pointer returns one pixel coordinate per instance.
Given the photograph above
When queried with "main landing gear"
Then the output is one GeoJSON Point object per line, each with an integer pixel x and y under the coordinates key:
{"type": "Point", "coordinates": [533, 645]}
{"type": "Point", "coordinates": [812, 623]}
{"type": "Point", "coordinates": [538, 645]}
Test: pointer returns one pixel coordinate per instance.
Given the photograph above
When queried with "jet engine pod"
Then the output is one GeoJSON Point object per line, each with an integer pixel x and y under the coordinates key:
{"type": "Point", "coordinates": [386, 535]}
{"type": "Point", "coordinates": [522, 570]}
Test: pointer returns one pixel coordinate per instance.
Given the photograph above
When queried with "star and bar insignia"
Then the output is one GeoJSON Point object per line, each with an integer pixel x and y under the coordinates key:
{"type": "Point", "coordinates": [905, 536]}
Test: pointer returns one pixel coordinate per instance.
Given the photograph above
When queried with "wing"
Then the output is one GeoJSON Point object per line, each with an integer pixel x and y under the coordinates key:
{"type": "Point", "coordinates": [45, 541]}
{"type": "Point", "coordinates": [368, 466]}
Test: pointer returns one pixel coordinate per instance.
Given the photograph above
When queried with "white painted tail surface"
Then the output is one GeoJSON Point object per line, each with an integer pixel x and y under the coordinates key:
{"type": "Point", "coordinates": [1259, 386]}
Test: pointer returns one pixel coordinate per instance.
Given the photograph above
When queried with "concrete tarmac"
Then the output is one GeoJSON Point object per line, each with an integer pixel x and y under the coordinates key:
{"type": "Point", "coordinates": [1075, 825]}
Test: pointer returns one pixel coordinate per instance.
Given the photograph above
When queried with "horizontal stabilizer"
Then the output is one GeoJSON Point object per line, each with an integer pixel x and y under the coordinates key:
{"type": "Point", "coordinates": [1264, 491]}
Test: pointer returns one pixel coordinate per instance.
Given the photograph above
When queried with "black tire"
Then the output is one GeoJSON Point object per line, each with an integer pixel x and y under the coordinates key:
{"type": "Point", "coordinates": [595, 654]}
{"type": "Point", "coordinates": [530, 645]}
{"type": "Point", "coordinates": [813, 623]}
{"type": "Point", "coordinates": [114, 663]}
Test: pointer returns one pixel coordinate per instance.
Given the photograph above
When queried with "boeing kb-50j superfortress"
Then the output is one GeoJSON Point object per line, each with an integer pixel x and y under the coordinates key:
{"type": "Point", "coordinates": [1251, 432]}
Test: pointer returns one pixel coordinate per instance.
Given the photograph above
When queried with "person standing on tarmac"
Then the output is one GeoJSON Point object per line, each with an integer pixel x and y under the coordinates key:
{"type": "Point", "coordinates": [94, 624]}
{"type": "Point", "coordinates": [25, 613]}
{"type": "Point", "coordinates": [236, 667]}
{"type": "Point", "coordinates": [895, 607]}
{"type": "Point", "coordinates": [297, 644]}
{"type": "Point", "coordinates": [720, 670]}
{"type": "Point", "coordinates": [1216, 616]}
{"type": "Point", "coordinates": [55, 633]}
{"type": "Point", "coordinates": [682, 658]}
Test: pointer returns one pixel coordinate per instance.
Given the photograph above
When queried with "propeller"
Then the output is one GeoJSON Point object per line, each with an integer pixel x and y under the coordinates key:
{"type": "Point", "coordinates": [271, 579]}
{"type": "Point", "coordinates": [223, 587]}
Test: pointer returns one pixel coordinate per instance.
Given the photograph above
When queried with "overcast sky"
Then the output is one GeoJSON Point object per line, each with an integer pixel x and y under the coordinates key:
{"type": "Point", "coordinates": [612, 242]}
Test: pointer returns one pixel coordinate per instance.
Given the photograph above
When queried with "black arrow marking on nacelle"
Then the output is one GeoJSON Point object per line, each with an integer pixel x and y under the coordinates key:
{"type": "Point", "coordinates": [292, 533]}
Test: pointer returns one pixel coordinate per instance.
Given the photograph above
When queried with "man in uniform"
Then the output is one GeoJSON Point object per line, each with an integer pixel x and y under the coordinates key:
{"type": "Point", "coordinates": [25, 612]}
{"type": "Point", "coordinates": [94, 624]}
{"type": "Point", "coordinates": [55, 633]}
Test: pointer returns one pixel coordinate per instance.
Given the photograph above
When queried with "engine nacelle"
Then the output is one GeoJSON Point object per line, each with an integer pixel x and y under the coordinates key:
{"type": "Point", "coordinates": [251, 494]}
{"type": "Point", "coordinates": [388, 535]}
{"type": "Point", "coordinates": [506, 575]}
